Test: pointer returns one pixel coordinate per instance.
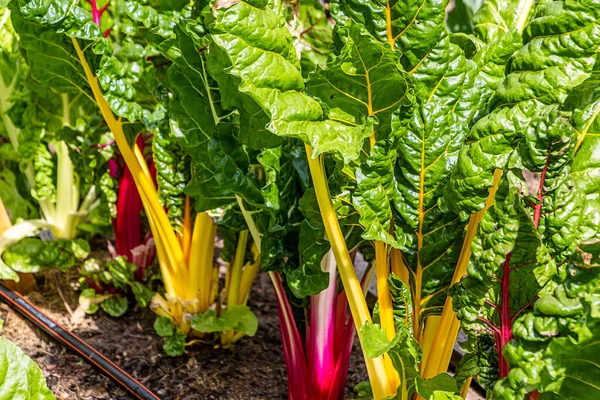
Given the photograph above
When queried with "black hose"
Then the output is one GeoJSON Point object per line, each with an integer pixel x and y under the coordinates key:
{"type": "Point", "coordinates": [75, 344]}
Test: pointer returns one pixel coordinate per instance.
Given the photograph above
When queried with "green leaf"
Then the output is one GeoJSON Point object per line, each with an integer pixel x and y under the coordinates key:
{"type": "Point", "coordinates": [175, 344]}
{"type": "Point", "coordinates": [567, 367]}
{"type": "Point", "coordinates": [164, 326]}
{"type": "Point", "coordinates": [143, 295]}
{"type": "Point", "coordinates": [309, 279]}
{"type": "Point", "coordinates": [20, 377]}
{"type": "Point", "coordinates": [271, 89]}
{"type": "Point", "coordinates": [375, 341]}
{"type": "Point", "coordinates": [33, 254]}
{"type": "Point", "coordinates": [509, 247]}
{"type": "Point", "coordinates": [437, 387]}
{"type": "Point", "coordinates": [52, 55]}
{"type": "Point", "coordinates": [121, 271]}
{"type": "Point", "coordinates": [89, 300]}
{"type": "Point", "coordinates": [115, 306]}
{"type": "Point", "coordinates": [237, 317]}
{"type": "Point", "coordinates": [401, 302]}
{"type": "Point", "coordinates": [363, 390]}
{"type": "Point", "coordinates": [362, 80]}
{"type": "Point", "coordinates": [208, 322]}
{"type": "Point", "coordinates": [199, 124]}
{"type": "Point", "coordinates": [242, 319]}
{"type": "Point", "coordinates": [539, 77]}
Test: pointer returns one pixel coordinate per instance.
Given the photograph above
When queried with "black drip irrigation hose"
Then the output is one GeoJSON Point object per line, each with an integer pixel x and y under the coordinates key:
{"type": "Point", "coordinates": [75, 344]}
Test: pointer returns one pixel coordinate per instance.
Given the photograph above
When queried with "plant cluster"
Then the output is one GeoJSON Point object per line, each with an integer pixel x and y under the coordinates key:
{"type": "Point", "coordinates": [455, 150]}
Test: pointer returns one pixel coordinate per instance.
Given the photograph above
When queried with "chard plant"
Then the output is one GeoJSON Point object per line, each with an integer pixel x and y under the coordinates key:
{"type": "Point", "coordinates": [50, 137]}
{"type": "Point", "coordinates": [398, 105]}
{"type": "Point", "coordinates": [267, 177]}
{"type": "Point", "coordinates": [123, 74]}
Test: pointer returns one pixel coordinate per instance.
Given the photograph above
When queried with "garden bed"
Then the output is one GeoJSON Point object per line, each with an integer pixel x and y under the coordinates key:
{"type": "Point", "coordinates": [254, 369]}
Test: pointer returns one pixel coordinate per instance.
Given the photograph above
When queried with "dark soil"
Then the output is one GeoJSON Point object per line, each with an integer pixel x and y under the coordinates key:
{"type": "Point", "coordinates": [254, 369]}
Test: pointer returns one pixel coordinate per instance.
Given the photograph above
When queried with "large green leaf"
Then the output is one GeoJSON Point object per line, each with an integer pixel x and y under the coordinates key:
{"type": "Point", "coordinates": [540, 75]}
{"type": "Point", "coordinates": [263, 80]}
{"type": "Point", "coordinates": [561, 367]}
{"type": "Point", "coordinates": [20, 377]}
{"type": "Point", "coordinates": [198, 123]}
{"type": "Point", "coordinates": [512, 268]}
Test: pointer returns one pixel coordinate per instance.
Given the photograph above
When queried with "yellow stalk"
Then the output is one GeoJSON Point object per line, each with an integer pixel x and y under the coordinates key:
{"type": "Point", "coordinates": [208, 253]}
{"type": "Point", "coordinates": [236, 270]}
{"type": "Point", "coordinates": [145, 186]}
{"type": "Point", "coordinates": [143, 165]}
{"type": "Point", "coordinates": [170, 270]}
{"type": "Point", "coordinates": [381, 381]}
{"type": "Point", "coordinates": [399, 268]}
{"type": "Point", "coordinates": [160, 306]}
{"type": "Point", "coordinates": [166, 271]}
{"type": "Point", "coordinates": [186, 231]}
{"type": "Point", "coordinates": [4, 219]}
{"type": "Point", "coordinates": [200, 274]}
{"type": "Point", "coordinates": [248, 275]}
{"type": "Point", "coordinates": [441, 350]}
{"type": "Point", "coordinates": [465, 389]}
{"type": "Point", "coordinates": [386, 311]}
{"type": "Point", "coordinates": [195, 261]}
{"type": "Point", "coordinates": [431, 326]}
{"type": "Point", "coordinates": [235, 279]}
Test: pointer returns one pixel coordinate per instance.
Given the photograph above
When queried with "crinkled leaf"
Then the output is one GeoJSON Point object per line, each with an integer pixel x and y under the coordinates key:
{"type": "Point", "coordinates": [270, 89]}
{"type": "Point", "coordinates": [115, 306]}
{"type": "Point", "coordinates": [20, 377]}
{"type": "Point", "coordinates": [164, 326]}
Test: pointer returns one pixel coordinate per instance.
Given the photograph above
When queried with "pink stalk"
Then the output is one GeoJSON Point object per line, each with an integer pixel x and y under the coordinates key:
{"type": "Point", "coordinates": [292, 344]}
{"type": "Point", "coordinates": [128, 223]}
{"type": "Point", "coordinates": [506, 318]}
{"type": "Point", "coordinates": [97, 14]}
{"type": "Point", "coordinates": [321, 347]}
{"type": "Point", "coordinates": [319, 370]}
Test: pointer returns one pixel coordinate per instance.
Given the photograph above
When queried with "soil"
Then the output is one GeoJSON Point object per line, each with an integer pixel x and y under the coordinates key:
{"type": "Point", "coordinates": [254, 369]}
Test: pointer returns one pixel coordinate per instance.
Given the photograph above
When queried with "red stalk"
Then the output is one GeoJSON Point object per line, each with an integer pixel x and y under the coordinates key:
{"type": "Point", "coordinates": [292, 344]}
{"type": "Point", "coordinates": [128, 223]}
{"type": "Point", "coordinates": [318, 370]}
{"type": "Point", "coordinates": [97, 14]}
{"type": "Point", "coordinates": [321, 331]}
{"type": "Point", "coordinates": [506, 318]}
{"type": "Point", "coordinates": [538, 207]}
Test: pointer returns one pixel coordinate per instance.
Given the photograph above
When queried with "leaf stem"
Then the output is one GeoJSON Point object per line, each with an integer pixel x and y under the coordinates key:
{"type": "Point", "coordinates": [448, 328]}
{"type": "Point", "coordinates": [378, 374]}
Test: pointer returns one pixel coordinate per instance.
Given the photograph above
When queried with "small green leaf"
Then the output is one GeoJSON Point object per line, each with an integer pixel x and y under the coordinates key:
{"type": "Point", "coordinates": [442, 383]}
{"type": "Point", "coordinates": [208, 322]}
{"type": "Point", "coordinates": [375, 342]}
{"type": "Point", "coordinates": [164, 326]}
{"type": "Point", "coordinates": [142, 294]}
{"type": "Point", "coordinates": [363, 390]}
{"type": "Point", "coordinates": [238, 318]}
{"type": "Point", "coordinates": [242, 319]}
{"type": "Point", "coordinates": [115, 306]}
{"type": "Point", "coordinates": [174, 345]}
